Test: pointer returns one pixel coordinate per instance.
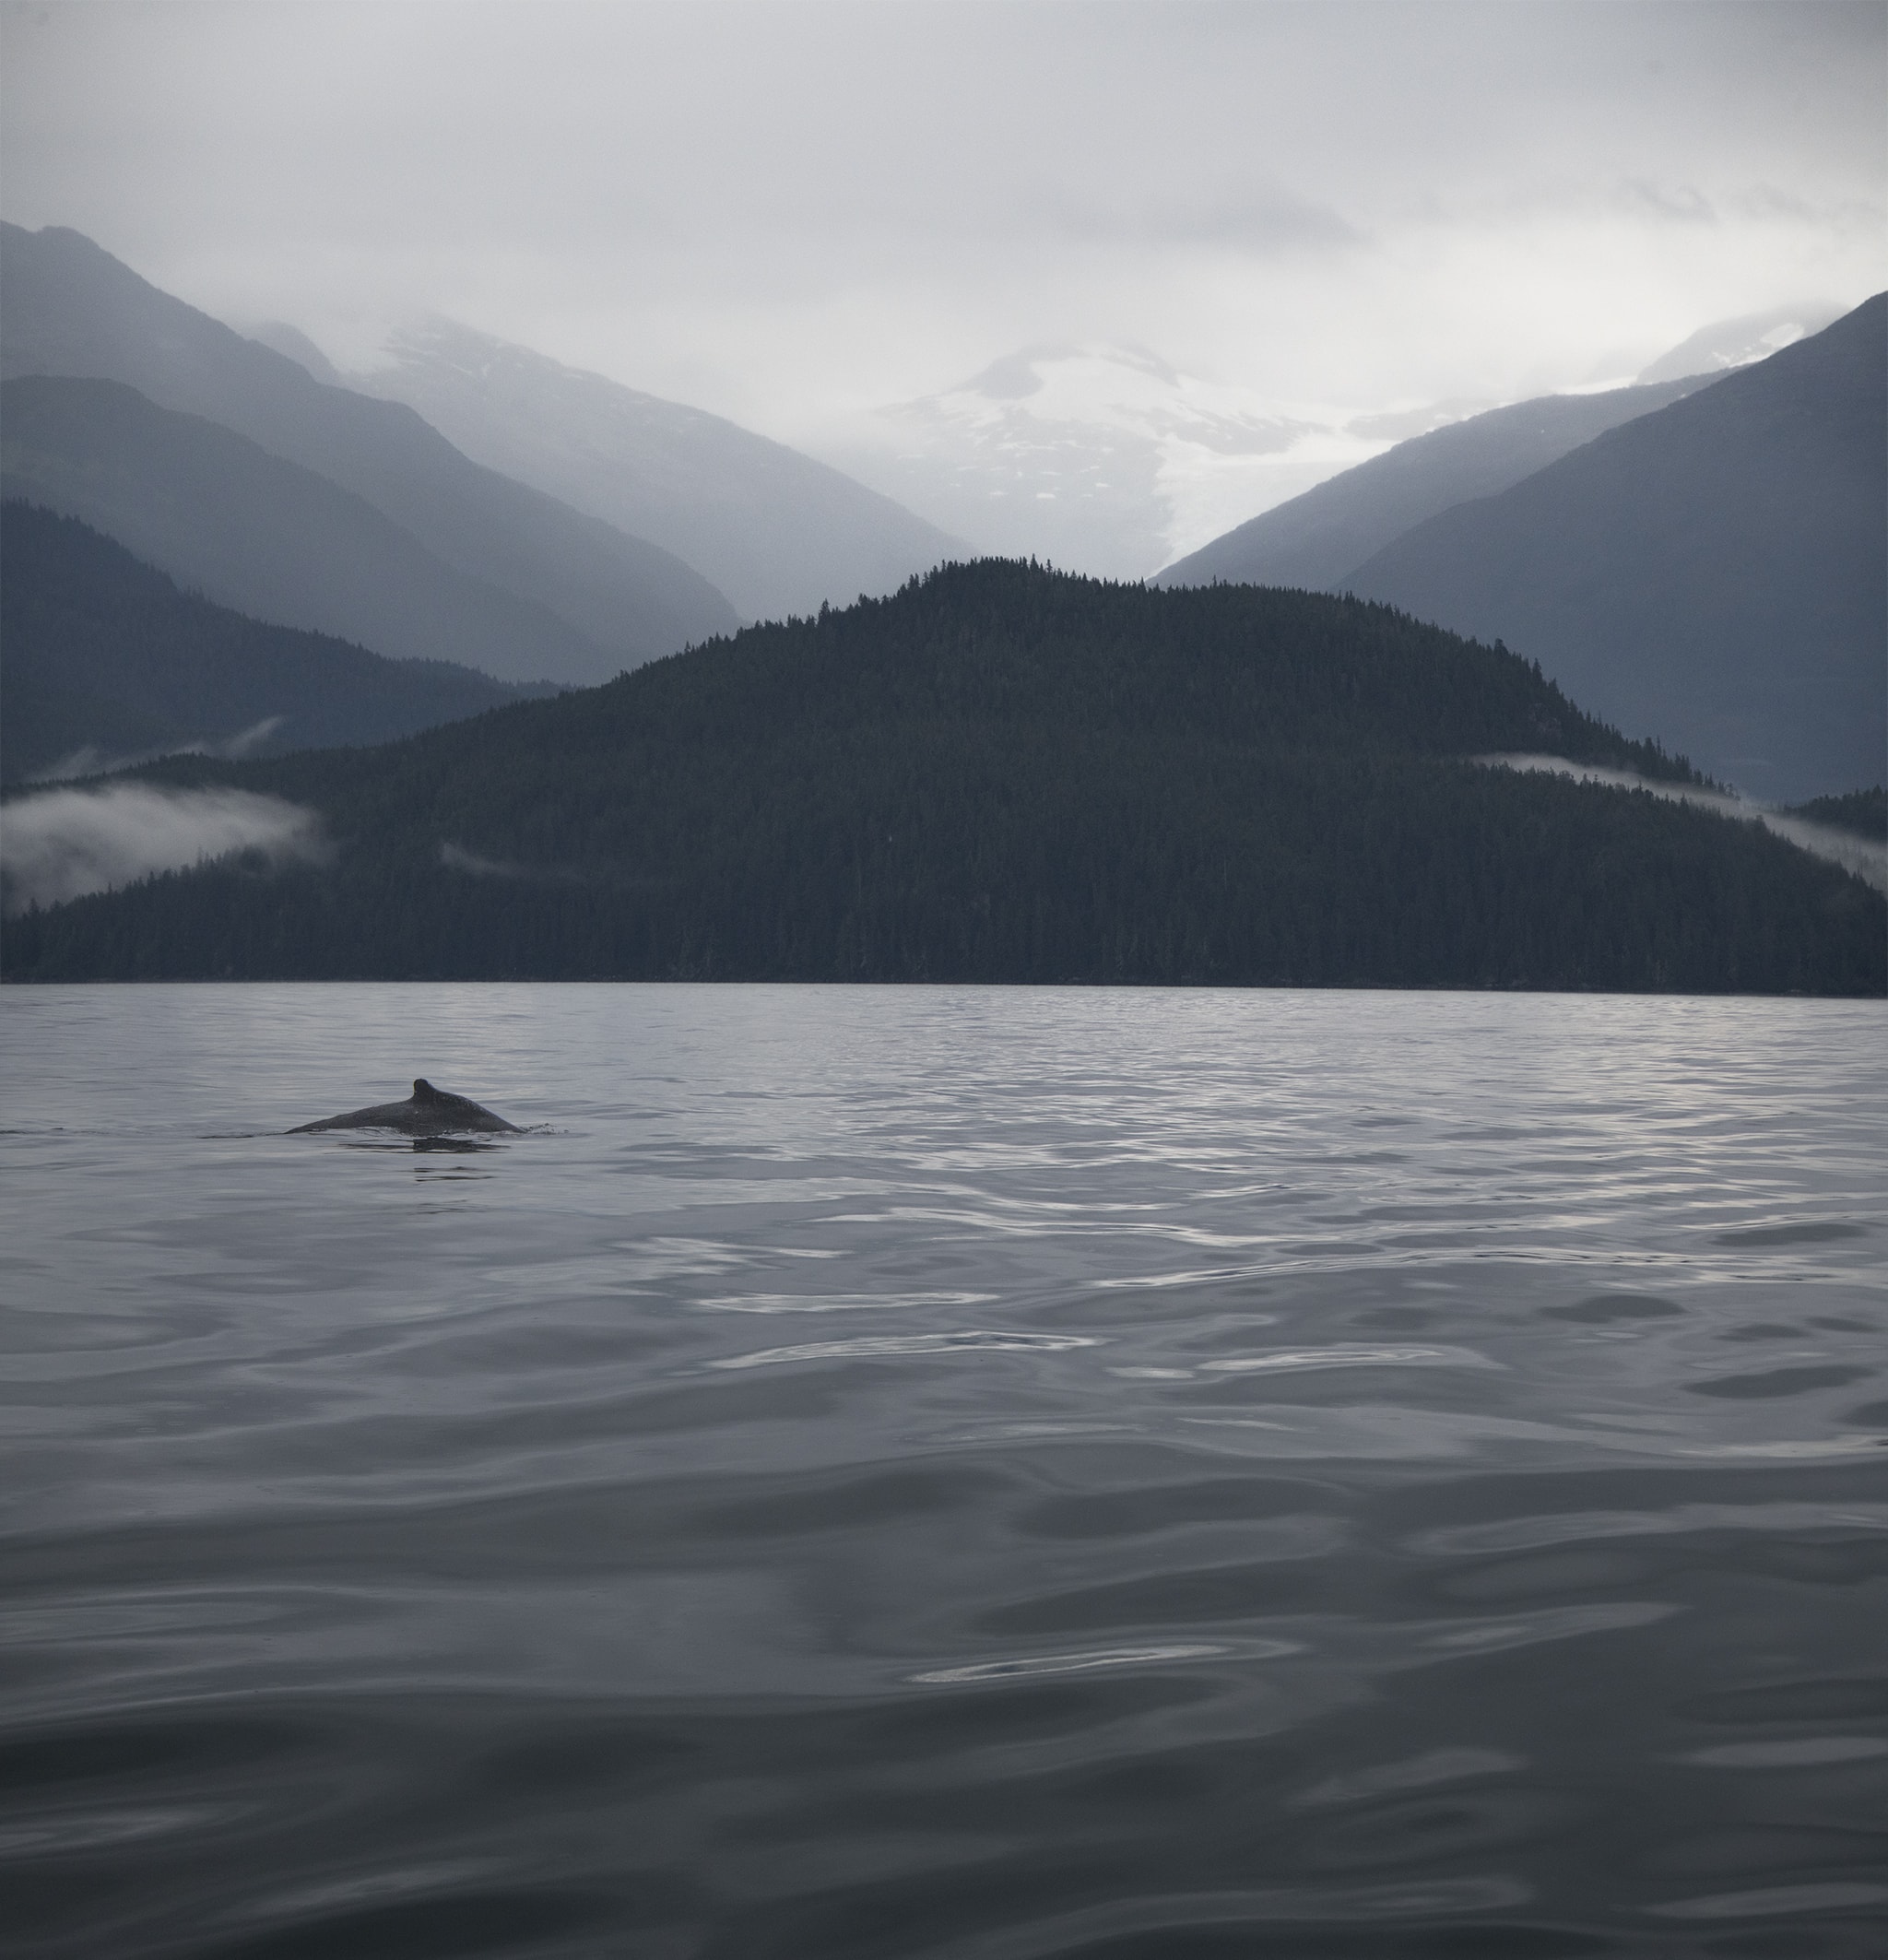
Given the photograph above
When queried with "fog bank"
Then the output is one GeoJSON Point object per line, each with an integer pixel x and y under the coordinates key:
{"type": "Point", "coordinates": [65, 842]}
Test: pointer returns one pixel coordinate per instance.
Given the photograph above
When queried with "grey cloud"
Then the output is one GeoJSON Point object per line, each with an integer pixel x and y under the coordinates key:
{"type": "Point", "coordinates": [1264, 222]}
{"type": "Point", "coordinates": [1673, 203]}
{"type": "Point", "coordinates": [794, 213]}
{"type": "Point", "coordinates": [61, 844]}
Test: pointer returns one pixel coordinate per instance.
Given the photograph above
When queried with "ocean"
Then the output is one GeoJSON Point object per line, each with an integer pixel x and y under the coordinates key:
{"type": "Point", "coordinates": [961, 1473]}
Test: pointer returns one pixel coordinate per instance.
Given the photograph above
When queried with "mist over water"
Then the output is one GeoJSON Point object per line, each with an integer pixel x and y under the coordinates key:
{"type": "Point", "coordinates": [979, 1474]}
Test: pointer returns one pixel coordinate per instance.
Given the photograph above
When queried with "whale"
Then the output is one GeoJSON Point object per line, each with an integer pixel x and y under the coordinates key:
{"type": "Point", "coordinates": [427, 1112]}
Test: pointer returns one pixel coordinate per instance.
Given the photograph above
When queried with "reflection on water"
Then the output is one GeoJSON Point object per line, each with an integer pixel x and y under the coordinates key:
{"type": "Point", "coordinates": [1282, 1474]}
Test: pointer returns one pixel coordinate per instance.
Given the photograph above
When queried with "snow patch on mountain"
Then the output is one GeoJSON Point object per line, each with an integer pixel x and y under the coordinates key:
{"type": "Point", "coordinates": [1104, 457]}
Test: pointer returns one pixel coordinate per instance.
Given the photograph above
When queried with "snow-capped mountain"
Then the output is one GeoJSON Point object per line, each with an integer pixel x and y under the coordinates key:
{"type": "Point", "coordinates": [1106, 458]}
{"type": "Point", "coordinates": [1101, 457]}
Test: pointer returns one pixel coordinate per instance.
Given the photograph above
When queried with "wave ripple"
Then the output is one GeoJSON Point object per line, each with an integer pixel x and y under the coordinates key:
{"type": "Point", "coordinates": [1301, 1475]}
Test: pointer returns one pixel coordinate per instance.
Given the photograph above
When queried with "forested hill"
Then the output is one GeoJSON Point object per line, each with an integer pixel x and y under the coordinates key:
{"type": "Point", "coordinates": [1007, 773]}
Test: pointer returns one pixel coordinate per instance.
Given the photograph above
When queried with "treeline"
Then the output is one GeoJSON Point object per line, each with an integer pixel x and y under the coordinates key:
{"type": "Point", "coordinates": [1864, 811]}
{"type": "Point", "coordinates": [1005, 773]}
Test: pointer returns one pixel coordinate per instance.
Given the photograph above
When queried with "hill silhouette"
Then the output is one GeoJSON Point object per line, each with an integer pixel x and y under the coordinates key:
{"type": "Point", "coordinates": [1007, 773]}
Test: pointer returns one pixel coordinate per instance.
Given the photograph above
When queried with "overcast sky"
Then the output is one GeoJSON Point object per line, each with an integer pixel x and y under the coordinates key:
{"type": "Point", "coordinates": [792, 211]}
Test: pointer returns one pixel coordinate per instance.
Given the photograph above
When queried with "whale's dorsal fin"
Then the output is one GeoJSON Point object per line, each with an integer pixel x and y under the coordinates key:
{"type": "Point", "coordinates": [424, 1092]}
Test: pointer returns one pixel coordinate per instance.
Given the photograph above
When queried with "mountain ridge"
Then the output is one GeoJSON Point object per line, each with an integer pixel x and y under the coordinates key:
{"type": "Point", "coordinates": [777, 532]}
{"type": "Point", "coordinates": [262, 535]}
{"type": "Point", "coordinates": [1715, 572]}
{"type": "Point", "coordinates": [69, 308]}
{"type": "Point", "coordinates": [1316, 540]}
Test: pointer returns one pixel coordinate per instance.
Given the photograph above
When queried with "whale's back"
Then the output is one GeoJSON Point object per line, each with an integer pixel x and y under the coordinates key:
{"type": "Point", "coordinates": [427, 1112]}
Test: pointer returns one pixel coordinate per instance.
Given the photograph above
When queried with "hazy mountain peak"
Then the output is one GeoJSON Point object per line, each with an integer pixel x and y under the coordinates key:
{"type": "Point", "coordinates": [776, 531]}
{"type": "Point", "coordinates": [1011, 379]}
{"type": "Point", "coordinates": [1735, 343]}
{"type": "Point", "coordinates": [1100, 455]}
{"type": "Point", "coordinates": [1019, 375]}
{"type": "Point", "coordinates": [447, 347]}
{"type": "Point", "coordinates": [70, 309]}
{"type": "Point", "coordinates": [291, 342]}
{"type": "Point", "coordinates": [1117, 384]}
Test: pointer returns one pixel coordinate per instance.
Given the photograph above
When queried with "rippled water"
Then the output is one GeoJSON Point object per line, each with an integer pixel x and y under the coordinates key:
{"type": "Point", "coordinates": [961, 1473]}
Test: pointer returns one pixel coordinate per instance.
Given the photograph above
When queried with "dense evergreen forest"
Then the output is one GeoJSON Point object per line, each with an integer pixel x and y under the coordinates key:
{"type": "Point", "coordinates": [1864, 811]}
{"type": "Point", "coordinates": [1007, 773]}
{"type": "Point", "coordinates": [101, 652]}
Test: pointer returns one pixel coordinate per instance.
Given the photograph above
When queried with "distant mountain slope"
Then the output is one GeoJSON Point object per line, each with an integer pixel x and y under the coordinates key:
{"type": "Point", "coordinates": [1318, 539]}
{"type": "Point", "coordinates": [773, 530]}
{"type": "Point", "coordinates": [1008, 775]}
{"type": "Point", "coordinates": [68, 308]}
{"type": "Point", "coordinates": [263, 535]}
{"type": "Point", "coordinates": [1723, 345]}
{"type": "Point", "coordinates": [102, 657]}
{"type": "Point", "coordinates": [1715, 573]}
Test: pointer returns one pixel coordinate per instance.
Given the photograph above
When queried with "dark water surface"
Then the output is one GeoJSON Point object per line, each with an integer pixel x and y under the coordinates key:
{"type": "Point", "coordinates": [958, 1473]}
